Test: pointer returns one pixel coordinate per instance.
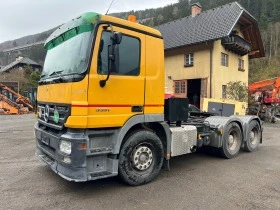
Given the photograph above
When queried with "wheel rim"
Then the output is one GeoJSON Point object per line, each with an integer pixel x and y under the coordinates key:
{"type": "Point", "coordinates": [142, 157]}
{"type": "Point", "coordinates": [254, 136]}
{"type": "Point", "coordinates": [232, 140]}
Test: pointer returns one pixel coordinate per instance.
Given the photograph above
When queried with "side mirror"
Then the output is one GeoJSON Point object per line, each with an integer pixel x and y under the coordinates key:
{"type": "Point", "coordinates": [101, 46]}
{"type": "Point", "coordinates": [117, 38]}
{"type": "Point", "coordinates": [113, 55]}
{"type": "Point", "coordinates": [113, 59]}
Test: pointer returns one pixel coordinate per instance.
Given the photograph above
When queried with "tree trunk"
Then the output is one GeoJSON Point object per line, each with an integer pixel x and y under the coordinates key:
{"type": "Point", "coordinates": [270, 44]}
{"type": "Point", "coordinates": [276, 39]}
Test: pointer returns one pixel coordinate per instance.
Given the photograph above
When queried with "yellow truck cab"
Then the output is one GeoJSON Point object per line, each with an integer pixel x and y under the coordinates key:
{"type": "Point", "coordinates": [101, 108]}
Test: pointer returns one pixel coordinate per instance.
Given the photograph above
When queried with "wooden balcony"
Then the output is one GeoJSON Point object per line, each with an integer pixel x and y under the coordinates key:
{"type": "Point", "coordinates": [236, 44]}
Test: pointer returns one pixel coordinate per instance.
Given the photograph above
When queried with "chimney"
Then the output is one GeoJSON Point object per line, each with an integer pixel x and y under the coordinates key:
{"type": "Point", "coordinates": [19, 58]}
{"type": "Point", "coordinates": [196, 9]}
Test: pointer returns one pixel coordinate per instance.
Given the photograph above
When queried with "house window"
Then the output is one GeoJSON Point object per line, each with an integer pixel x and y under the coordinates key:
{"type": "Point", "coordinates": [224, 91]}
{"type": "Point", "coordinates": [224, 59]}
{"type": "Point", "coordinates": [241, 65]}
{"type": "Point", "coordinates": [180, 87]}
{"type": "Point", "coordinates": [188, 59]}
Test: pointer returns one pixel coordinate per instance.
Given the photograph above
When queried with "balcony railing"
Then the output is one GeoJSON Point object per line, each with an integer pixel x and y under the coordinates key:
{"type": "Point", "coordinates": [236, 44]}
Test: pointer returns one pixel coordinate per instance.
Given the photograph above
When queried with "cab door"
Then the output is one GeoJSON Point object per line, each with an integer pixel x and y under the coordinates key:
{"type": "Point", "coordinates": [123, 95]}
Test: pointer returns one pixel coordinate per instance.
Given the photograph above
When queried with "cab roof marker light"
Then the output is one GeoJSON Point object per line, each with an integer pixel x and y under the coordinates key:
{"type": "Point", "coordinates": [132, 18]}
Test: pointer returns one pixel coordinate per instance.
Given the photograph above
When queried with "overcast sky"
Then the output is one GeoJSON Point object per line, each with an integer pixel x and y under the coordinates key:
{"type": "Point", "coordinates": [25, 17]}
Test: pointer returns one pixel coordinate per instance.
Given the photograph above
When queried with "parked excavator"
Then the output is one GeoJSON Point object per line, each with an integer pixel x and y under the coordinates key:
{"type": "Point", "coordinates": [12, 102]}
{"type": "Point", "coordinates": [267, 99]}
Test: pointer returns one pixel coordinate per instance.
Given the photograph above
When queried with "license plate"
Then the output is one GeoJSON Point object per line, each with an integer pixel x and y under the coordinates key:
{"type": "Point", "coordinates": [45, 140]}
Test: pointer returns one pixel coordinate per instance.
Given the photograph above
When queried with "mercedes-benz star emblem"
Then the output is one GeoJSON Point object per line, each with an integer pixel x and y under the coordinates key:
{"type": "Point", "coordinates": [47, 113]}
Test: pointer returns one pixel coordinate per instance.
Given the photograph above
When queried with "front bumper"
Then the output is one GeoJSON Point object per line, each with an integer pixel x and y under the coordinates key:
{"type": "Point", "coordinates": [70, 174]}
{"type": "Point", "coordinates": [48, 150]}
{"type": "Point", "coordinates": [85, 165]}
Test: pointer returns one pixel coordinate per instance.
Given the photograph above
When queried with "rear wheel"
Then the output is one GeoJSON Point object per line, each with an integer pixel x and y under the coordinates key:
{"type": "Point", "coordinates": [275, 114]}
{"type": "Point", "coordinates": [232, 140]}
{"type": "Point", "coordinates": [141, 158]}
{"type": "Point", "coordinates": [254, 133]}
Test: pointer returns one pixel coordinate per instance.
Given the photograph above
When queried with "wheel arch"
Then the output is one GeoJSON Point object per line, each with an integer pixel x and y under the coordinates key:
{"type": "Point", "coordinates": [153, 123]}
{"type": "Point", "coordinates": [246, 121]}
{"type": "Point", "coordinates": [221, 122]}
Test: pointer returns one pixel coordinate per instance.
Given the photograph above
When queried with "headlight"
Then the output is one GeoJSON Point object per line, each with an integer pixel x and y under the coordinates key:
{"type": "Point", "coordinates": [39, 111]}
{"type": "Point", "coordinates": [65, 147]}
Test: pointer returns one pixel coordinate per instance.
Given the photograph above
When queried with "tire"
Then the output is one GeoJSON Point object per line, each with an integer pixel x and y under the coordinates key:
{"type": "Point", "coordinates": [275, 113]}
{"type": "Point", "coordinates": [273, 120]}
{"type": "Point", "coordinates": [232, 140]}
{"type": "Point", "coordinates": [254, 134]}
{"type": "Point", "coordinates": [262, 117]}
{"type": "Point", "coordinates": [141, 158]}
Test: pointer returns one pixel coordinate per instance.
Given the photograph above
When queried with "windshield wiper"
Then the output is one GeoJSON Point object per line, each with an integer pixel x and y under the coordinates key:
{"type": "Point", "coordinates": [56, 73]}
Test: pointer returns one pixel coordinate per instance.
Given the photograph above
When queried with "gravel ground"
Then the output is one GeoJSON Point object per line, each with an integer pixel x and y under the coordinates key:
{"type": "Point", "coordinates": [196, 181]}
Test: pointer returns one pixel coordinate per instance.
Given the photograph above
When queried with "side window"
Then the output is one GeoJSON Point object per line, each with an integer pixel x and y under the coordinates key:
{"type": "Point", "coordinates": [188, 60]}
{"type": "Point", "coordinates": [241, 65]}
{"type": "Point", "coordinates": [129, 55]}
{"type": "Point", "coordinates": [180, 88]}
{"type": "Point", "coordinates": [224, 59]}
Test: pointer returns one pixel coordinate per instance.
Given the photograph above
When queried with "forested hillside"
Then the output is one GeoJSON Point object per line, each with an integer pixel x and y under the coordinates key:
{"type": "Point", "coordinates": [264, 11]}
{"type": "Point", "coordinates": [267, 12]}
{"type": "Point", "coordinates": [26, 40]}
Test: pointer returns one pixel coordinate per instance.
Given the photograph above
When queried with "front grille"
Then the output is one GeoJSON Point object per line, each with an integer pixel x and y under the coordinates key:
{"type": "Point", "coordinates": [48, 119]}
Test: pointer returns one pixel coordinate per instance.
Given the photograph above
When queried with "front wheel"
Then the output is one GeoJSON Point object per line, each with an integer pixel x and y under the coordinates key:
{"type": "Point", "coordinates": [232, 140]}
{"type": "Point", "coordinates": [141, 158]}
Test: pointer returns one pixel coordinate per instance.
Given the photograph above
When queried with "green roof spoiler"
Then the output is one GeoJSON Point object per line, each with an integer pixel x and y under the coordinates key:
{"type": "Point", "coordinates": [83, 20]}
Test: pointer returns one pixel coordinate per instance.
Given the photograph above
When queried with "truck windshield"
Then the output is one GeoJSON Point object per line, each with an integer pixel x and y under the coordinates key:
{"type": "Point", "coordinates": [68, 53]}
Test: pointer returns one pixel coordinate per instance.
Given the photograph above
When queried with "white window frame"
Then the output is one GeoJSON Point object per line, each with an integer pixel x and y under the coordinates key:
{"type": "Point", "coordinates": [224, 59]}
{"type": "Point", "coordinates": [189, 59]}
{"type": "Point", "coordinates": [241, 64]}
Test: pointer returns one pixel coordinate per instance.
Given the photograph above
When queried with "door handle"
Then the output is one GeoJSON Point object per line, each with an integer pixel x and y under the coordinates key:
{"type": "Point", "coordinates": [137, 109]}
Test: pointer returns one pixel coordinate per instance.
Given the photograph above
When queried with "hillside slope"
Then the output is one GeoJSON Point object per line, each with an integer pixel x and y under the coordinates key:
{"type": "Point", "coordinates": [26, 40]}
